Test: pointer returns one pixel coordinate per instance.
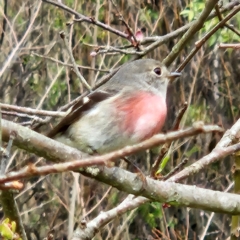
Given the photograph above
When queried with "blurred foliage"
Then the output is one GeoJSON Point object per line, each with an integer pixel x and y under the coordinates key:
{"type": "Point", "coordinates": [193, 9]}
{"type": "Point", "coordinates": [223, 35]}
{"type": "Point", "coordinates": [150, 212]}
{"type": "Point", "coordinates": [8, 230]}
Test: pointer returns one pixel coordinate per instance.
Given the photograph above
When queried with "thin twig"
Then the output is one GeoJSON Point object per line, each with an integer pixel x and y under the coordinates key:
{"type": "Point", "coordinates": [15, 185]}
{"type": "Point", "coordinates": [5, 4]}
{"type": "Point", "coordinates": [226, 25]}
{"type": "Point", "coordinates": [22, 115]}
{"type": "Point", "coordinates": [82, 18]}
{"type": "Point", "coordinates": [229, 45]}
{"type": "Point", "coordinates": [203, 235]}
{"type": "Point", "coordinates": [64, 37]}
{"type": "Point", "coordinates": [176, 169]}
{"type": "Point", "coordinates": [13, 54]}
{"type": "Point", "coordinates": [228, 138]}
{"type": "Point", "coordinates": [56, 77]}
{"type": "Point", "coordinates": [67, 64]}
{"type": "Point", "coordinates": [132, 37]}
{"type": "Point", "coordinates": [31, 111]}
{"type": "Point", "coordinates": [179, 117]}
{"type": "Point", "coordinates": [99, 202]}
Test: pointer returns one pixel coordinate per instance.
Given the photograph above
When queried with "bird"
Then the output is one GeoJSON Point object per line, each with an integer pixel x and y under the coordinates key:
{"type": "Point", "coordinates": [129, 108]}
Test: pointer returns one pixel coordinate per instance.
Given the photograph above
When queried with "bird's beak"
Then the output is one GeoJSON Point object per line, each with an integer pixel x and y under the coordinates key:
{"type": "Point", "coordinates": [174, 75]}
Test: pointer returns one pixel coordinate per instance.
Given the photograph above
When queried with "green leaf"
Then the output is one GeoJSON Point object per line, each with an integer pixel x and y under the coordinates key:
{"type": "Point", "coordinates": [185, 12]}
{"type": "Point", "coordinates": [163, 163]}
{"type": "Point", "coordinates": [6, 230]}
{"type": "Point", "coordinates": [193, 150]}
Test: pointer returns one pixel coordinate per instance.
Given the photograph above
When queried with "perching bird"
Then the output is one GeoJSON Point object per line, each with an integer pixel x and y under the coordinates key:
{"type": "Point", "coordinates": [128, 109]}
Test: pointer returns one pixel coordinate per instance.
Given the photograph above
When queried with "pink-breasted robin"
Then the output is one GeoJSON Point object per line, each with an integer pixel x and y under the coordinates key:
{"type": "Point", "coordinates": [128, 109]}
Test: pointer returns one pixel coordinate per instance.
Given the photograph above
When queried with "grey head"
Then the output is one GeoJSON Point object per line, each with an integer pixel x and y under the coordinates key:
{"type": "Point", "coordinates": [142, 74]}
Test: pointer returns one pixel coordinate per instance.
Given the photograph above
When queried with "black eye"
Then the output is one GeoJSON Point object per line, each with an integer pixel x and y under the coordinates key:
{"type": "Point", "coordinates": [158, 71]}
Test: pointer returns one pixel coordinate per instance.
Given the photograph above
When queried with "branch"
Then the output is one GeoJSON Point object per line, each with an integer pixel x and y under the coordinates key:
{"type": "Point", "coordinates": [67, 64]}
{"type": "Point", "coordinates": [22, 115]}
{"type": "Point", "coordinates": [230, 136]}
{"type": "Point", "coordinates": [199, 43]}
{"type": "Point", "coordinates": [130, 204]}
{"type": "Point", "coordinates": [229, 45]}
{"type": "Point", "coordinates": [55, 151]}
{"type": "Point", "coordinates": [120, 179]}
{"type": "Point", "coordinates": [82, 79]}
{"type": "Point", "coordinates": [226, 25]}
{"type": "Point", "coordinates": [168, 192]}
{"type": "Point", "coordinates": [31, 111]}
{"type": "Point", "coordinates": [191, 31]}
{"type": "Point", "coordinates": [131, 37]}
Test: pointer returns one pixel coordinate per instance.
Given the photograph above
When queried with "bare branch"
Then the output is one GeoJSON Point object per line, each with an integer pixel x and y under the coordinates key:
{"type": "Point", "coordinates": [56, 151]}
{"type": "Point", "coordinates": [31, 111]}
{"type": "Point", "coordinates": [226, 25]}
{"type": "Point", "coordinates": [230, 136]}
{"type": "Point", "coordinates": [172, 193]}
{"type": "Point", "coordinates": [229, 45]}
{"type": "Point", "coordinates": [83, 80]}
{"type": "Point", "coordinates": [133, 203]}
{"type": "Point", "coordinates": [67, 64]}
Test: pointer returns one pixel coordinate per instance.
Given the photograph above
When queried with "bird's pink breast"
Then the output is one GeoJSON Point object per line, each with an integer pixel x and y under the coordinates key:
{"type": "Point", "coordinates": [144, 114]}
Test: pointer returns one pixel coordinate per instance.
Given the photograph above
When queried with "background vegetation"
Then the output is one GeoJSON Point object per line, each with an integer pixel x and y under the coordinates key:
{"type": "Point", "coordinates": [39, 75]}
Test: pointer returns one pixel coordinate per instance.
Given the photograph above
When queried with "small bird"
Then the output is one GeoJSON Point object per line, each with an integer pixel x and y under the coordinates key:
{"type": "Point", "coordinates": [129, 108]}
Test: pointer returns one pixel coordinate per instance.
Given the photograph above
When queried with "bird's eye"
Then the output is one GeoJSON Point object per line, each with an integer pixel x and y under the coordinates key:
{"type": "Point", "coordinates": [158, 71]}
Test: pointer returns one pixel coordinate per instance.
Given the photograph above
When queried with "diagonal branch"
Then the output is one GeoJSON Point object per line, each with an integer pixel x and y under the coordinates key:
{"type": "Point", "coordinates": [199, 43]}
{"type": "Point", "coordinates": [168, 192]}
{"type": "Point", "coordinates": [55, 151]}
{"type": "Point", "coordinates": [31, 111]}
{"type": "Point", "coordinates": [210, 4]}
{"type": "Point", "coordinates": [13, 54]}
{"type": "Point", "coordinates": [230, 136]}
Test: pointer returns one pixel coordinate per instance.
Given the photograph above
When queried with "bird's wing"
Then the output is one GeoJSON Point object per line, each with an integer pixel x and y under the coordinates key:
{"type": "Point", "coordinates": [78, 108]}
